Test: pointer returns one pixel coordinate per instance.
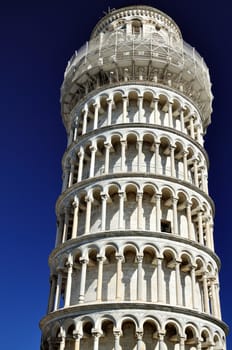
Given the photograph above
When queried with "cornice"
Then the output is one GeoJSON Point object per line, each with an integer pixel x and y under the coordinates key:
{"type": "Point", "coordinates": [69, 245]}
{"type": "Point", "coordinates": [79, 310]}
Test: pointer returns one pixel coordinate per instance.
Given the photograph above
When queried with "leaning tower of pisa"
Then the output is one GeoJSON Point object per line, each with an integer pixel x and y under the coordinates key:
{"type": "Point", "coordinates": [134, 265]}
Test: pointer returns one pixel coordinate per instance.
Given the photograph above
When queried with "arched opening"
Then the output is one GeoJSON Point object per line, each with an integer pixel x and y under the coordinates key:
{"type": "Point", "coordinates": [129, 273]}
{"type": "Point", "coordinates": [106, 340]}
{"type": "Point", "coordinates": [149, 274]}
{"type": "Point", "coordinates": [130, 212]}
{"type": "Point", "coordinates": [128, 336]}
{"type": "Point", "coordinates": [86, 341]}
{"type": "Point", "coordinates": [109, 274]}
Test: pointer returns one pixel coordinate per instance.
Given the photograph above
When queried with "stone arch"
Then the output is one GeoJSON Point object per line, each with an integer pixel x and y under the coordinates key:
{"type": "Point", "coordinates": [149, 206]}
{"type": "Point", "coordinates": [149, 272]}
{"type": "Point", "coordinates": [133, 95]}
{"type": "Point", "coordinates": [112, 206]}
{"type": "Point", "coordinates": [106, 340]}
{"type": "Point", "coordinates": [131, 151]}
{"type": "Point", "coordinates": [163, 109]}
{"type": "Point", "coordinates": [129, 272]}
{"type": "Point", "coordinates": [96, 209]}
{"type": "Point", "coordinates": [128, 326]}
{"type": "Point", "coordinates": [169, 276]}
{"type": "Point", "coordinates": [206, 338]}
{"type": "Point", "coordinates": [186, 279]}
{"type": "Point", "coordinates": [86, 341]}
{"type": "Point", "coordinates": [191, 336]}
{"type": "Point", "coordinates": [167, 214]}
{"type": "Point", "coordinates": [147, 156]}
{"type": "Point", "coordinates": [182, 213]}
{"type": "Point", "coordinates": [92, 274]}
{"type": "Point", "coordinates": [109, 272]}
{"type": "Point", "coordinates": [130, 205]}
{"type": "Point", "coordinates": [165, 155]}
{"type": "Point", "coordinates": [117, 110]}
{"type": "Point", "coordinates": [172, 333]}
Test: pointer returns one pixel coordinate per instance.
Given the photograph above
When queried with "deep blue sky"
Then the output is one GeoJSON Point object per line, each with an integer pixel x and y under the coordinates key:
{"type": "Point", "coordinates": [36, 40]}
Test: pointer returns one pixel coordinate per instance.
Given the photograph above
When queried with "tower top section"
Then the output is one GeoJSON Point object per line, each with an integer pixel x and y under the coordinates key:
{"type": "Point", "coordinates": [133, 19]}
{"type": "Point", "coordinates": [137, 45]}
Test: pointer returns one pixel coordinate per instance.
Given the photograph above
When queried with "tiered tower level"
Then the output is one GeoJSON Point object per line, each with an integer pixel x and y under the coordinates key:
{"type": "Point", "coordinates": [134, 265]}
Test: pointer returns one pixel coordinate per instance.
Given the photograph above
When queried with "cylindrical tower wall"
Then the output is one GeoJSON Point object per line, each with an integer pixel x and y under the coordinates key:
{"type": "Point", "coordinates": [134, 260]}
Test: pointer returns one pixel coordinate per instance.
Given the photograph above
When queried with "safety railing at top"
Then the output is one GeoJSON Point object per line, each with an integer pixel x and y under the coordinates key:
{"type": "Point", "coordinates": [118, 47]}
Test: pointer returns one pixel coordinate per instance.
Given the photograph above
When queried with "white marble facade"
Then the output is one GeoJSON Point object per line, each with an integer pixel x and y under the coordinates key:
{"type": "Point", "coordinates": [134, 265]}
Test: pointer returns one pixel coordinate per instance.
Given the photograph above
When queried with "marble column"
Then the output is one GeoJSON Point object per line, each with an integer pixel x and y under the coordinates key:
{"type": "Point", "coordinates": [157, 145]}
{"type": "Point", "coordinates": [124, 108]}
{"type": "Point", "coordinates": [96, 335]}
{"type": "Point", "coordinates": [182, 123]}
{"type": "Point", "coordinates": [193, 285]}
{"type": "Point", "coordinates": [140, 107]}
{"type": "Point", "coordinates": [205, 292]}
{"type": "Point", "coordinates": [172, 158]}
{"type": "Point", "coordinates": [191, 124]}
{"type": "Point", "coordinates": [96, 113]}
{"type": "Point", "coordinates": [139, 336]}
{"type": "Point", "coordinates": [51, 299]}
{"type": "Point", "coordinates": [89, 201]}
{"type": "Point", "coordinates": [123, 155]}
{"type": "Point", "coordinates": [58, 291]}
{"type": "Point", "coordinates": [119, 259]}
{"type": "Point", "coordinates": [178, 283]}
{"type": "Point", "coordinates": [75, 205]}
{"type": "Point", "coordinates": [200, 227]}
{"type": "Point", "coordinates": [107, 156]}
{"type": "Point", "coordinates": [85, 115]}
{"type": "Point", "coordinates": [139, 277]}
{"type": "Point", "coordinates": [160, 297]}
{"type": "Point", "coordinates": [139, 156]}
{"type": "Point", "coordinates": [139, 210]}
{"type": "Point", "coordinates": [109, 112]}
{"type": "Point", "coordinates": [77, 339]}
{"type": "Point", "coordinates": [100, 260]}
{"type": "Point", "coordinates": [158, 212]}
{"type": "Point", "coordinates": [66, 222]}
{"type": "Point", "coordinates": [170, 121]}
{"type": "Point", "coordinates": [185, 165]}
{"type": "Point", "coordinates": [80, 167]}
{"type": "Point", "coordinates": [93, 150]}
{"type": "Point", "coordinates": [84, 263]}
{"type": "Point", "coordinates": [121, 209]}
{"type": "Point", "coordinates": [104, 198]}
{"type": "Point", "coordinates": [189, 220]}
{"type": "Point", "coordinates": [174, 210]}
{"type": "Point", "coordinates": [117, 334]}
{"type": "Point", "coordinates": [68, 283]}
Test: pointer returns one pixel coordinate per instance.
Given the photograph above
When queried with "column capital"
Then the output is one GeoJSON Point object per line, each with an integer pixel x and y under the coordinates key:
{"type": "Point", "coordinates": [104, 195]}
{"type": "Point", "coordinates": [96, 332]}
{"type": "Point", "coordinates": [101, 258]}
{"type": "Point", "coordinates": [121, 194]}
{"type": "Point", "coordinates": [75, 202]}
{"type": "Point", "coordinates": [89, 198]}
{"type": "Point", "coordinates": [139, 334]}
{"type": "Point", "coordinates": [81, 153]}
{"type": "Point", "coordinates": [139, 258]}
{"type": "Point", "coordinates": [107, 144]}
{"type": "Point", "coordinates": [83, 260]}
{"type": "Point", "coordinates": [119, 257]}
{"type": "Point", "coordinates": [93, 148]}
{"type": "Point", "coordinates": [77, 335]}
{"type": "Point", "coordinates": [139, 195]}
{"type": "Point", "coordinates": [117, 332]}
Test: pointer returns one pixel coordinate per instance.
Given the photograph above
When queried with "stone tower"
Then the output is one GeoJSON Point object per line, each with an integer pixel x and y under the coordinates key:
{"type": "Point", "coordinates": [134, 265]}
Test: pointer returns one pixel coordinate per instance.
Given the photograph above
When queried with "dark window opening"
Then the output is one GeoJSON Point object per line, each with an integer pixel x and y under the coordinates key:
{"type": "Point", "coordinates": [165, 226]}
